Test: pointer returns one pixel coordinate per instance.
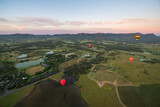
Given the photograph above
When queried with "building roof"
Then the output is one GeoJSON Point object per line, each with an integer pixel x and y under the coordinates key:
{"type": "Point", "coordinates": [50, 52]}
{"type": "Point", "coordinates": [22, 56]}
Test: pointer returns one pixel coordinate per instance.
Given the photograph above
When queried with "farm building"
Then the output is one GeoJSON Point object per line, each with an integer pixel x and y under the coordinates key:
{"type": "Point", "coordinates": [22, 56]}
{"type": "Point", "coordinates": [50, 52]}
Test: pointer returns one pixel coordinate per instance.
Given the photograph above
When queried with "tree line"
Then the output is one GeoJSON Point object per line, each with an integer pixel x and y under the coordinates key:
{"type": "Point", "coordinates": [82, 67]}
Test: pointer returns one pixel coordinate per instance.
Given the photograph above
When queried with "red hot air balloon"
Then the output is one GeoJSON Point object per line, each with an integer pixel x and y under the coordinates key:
{"type": "Point", "coordinates": [131, 59]}
{"type": "Point", "coordinates": [63, 82]}
{"type": "Point", "coordinates": [90, 45]}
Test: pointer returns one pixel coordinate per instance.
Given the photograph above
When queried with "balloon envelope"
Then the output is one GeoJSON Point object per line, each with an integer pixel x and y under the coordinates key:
{"type": "Point", "coordinates": [131, 59]}
{"type": "Point", "coordinates": [90, 45]}
{"type": "Point", "coordinates": [63, 82]}
{"type": "Point", "coordinates": [137, 37]}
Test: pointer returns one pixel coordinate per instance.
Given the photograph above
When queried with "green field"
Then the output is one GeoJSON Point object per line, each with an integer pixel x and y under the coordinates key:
{"type": "Point", "coordinates": [137, 72]}
{"type": "Point", "coordinates": [105, 76]}
{"type": "Point", "coordinates": [34, 69]}
{"type": "Point", "coordinates": [62, 66]}
{"type": "Point", "coordinates": [115, 67]}
{"type": "Point", "coordinates": [95, 96]}
{"type": "Point", "coordinates": [121, 81]}
{"type": "Point", "coordinates": [101, 73]}
{"type": "Point", "coordinates": [57, 76]}
{"type": "Point", "coordinates": [73, 61]}
{"type": "Point", "coordinates": [100, 67]}
{"type": "Point", "coordinates": [141, 96]}
{"type": "Point", "coordinates": [50, 93]}
{"type": "Point", "coordinates": [11, 99]}
{"type": "Point", "coordinates": [81, 52]}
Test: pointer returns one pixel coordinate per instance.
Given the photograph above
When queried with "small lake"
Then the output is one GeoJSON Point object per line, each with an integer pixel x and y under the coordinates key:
{"type": "Point", "coordinates": [29, 63]}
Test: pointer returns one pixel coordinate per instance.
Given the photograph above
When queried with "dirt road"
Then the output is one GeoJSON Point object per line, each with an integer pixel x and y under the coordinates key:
{"type": "Point", "coordinates": [100, 84]}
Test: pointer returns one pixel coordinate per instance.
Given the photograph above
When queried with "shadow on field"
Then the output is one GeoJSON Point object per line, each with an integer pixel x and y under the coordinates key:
{"type": "Point", "coordinates": [50, 93]}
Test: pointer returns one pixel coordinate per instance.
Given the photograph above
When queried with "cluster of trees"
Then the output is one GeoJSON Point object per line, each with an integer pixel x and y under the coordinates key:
{"type": "Point", "coordinates": [7, 67]}
{"type": "Point", "coordinates": [53, 61]}
{"type": "Point", "coordinates": [78, 46]}
{"type": "Point", "coordinates": [49, 44]}
{"type": "Point", "coordinates": [71, 57]}
{"type": "Point", "coordinates": [123, 47]}
{"type": "Point", "coordinates": [83, 66]}
{"type": "Point", "coordinates": [5, 79]}
{"type": "Point", "coordinates": [30, 46]}
{"type": "Point", "coordinates": [145, 38]}
{"type": "Point", "coordinates": [154, 53]}
{"type": "Point", "coordinates": [77, 69]}
{"type": "Point", "coordinates": [113, 54]}
{"type": "Point", "coordinates": [152, 61]}
{"type": "Point", "coordinates": [19, 80]}
{"type": "Point", "coordinates": [40, 76]}
{"type": "Point", "coordinates": [10, 75]}
{"type": "Point", "coordinates": [98, 60]}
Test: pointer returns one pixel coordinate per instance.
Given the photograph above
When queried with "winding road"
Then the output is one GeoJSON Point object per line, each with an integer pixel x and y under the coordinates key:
{"type": "Point", "coordinates": [100, 84]}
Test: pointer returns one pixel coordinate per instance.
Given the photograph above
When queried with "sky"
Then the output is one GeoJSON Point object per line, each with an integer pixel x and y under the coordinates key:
{"type": "Point", "coordinates": [79, 16]}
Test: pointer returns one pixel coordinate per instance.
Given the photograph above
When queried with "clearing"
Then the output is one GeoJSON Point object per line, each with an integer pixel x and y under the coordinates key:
{"type": "Point", "coordinates": [32, 70]}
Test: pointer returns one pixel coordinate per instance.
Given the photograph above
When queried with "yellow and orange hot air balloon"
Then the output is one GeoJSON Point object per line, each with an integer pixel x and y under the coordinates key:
{"type": "Point", "coordinates": [137, 37]}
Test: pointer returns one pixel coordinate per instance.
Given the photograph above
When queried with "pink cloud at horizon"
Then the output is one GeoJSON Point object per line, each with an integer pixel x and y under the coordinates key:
{"type": "Point", "coordinates": [50, 26]}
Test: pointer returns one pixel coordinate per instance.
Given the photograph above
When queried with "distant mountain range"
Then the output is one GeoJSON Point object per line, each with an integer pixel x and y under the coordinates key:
{"type": "Point", "coordinates": [122, 37]}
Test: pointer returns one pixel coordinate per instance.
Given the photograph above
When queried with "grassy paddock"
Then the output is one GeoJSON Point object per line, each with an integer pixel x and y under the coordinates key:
{"type": "Point", "coordinates": [95, 96]}
{"type": "Point", "coordinates": [100, 67]}
{"type": "Point", "coordinates": [62, 66]}
{"type": "Point", "coordinates": [57, 76]}
{"type": "Point", "coordinates": [11, 99]}
{"type": "Point", "coordinates": [142, 96]}
{"type": "Point", "coordinates": [32, 70]}
{"type": "Point", "coordinates": [137, 72]}
{"type": "Point", "coordinates": [121, 81]}
{"type": "Point", "coordinates": [73, 61]}
{"type": "Point", "coordinates": [105, 76]}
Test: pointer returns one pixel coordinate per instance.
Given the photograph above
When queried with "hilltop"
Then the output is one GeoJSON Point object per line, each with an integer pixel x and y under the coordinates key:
{"type": "Point", "coordinates": [121, 37]}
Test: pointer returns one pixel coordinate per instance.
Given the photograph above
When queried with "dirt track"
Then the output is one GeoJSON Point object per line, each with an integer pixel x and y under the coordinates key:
{"type": "Point", "coordinates": [100, 84]}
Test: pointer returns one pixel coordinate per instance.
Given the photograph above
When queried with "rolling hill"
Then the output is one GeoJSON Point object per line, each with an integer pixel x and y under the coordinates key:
{"type": "Point", "coordinates": [130, 37]}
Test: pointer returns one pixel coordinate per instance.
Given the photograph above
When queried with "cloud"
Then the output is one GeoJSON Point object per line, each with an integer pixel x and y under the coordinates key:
{"type": "Point", "coordinates": [26, 24]}
{"type": "Point", "coordinates": [39, 21]}
{"type": "Point", "coordinates": [49, 21]}
{"type": "Point", "coordinates": [3, 20]}
{"type": "Point", "coordinates": [63, 31]}
{"type": "Point", "coordinates": [156, 12]}
{"type": "Point", "coordinates": [156, 20]}
{"type": "Point", "coordinates": [132, 20]}
{"type": "Point", "coordinates": [75, 23]}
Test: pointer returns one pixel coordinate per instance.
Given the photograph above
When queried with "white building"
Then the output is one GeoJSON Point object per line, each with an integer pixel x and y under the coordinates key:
{"type": "Point", "coordinates": [87, 55]}
{"type": "Point", "coordinates": [22, 56]}
{"type": "Point", "coordinates": [24, 78]}
{"type": "Point", "coordinates": [50, 52]}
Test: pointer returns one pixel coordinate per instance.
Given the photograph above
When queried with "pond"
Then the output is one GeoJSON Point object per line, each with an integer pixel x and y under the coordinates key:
{"type": "Point", "coordinates": [29, 63]}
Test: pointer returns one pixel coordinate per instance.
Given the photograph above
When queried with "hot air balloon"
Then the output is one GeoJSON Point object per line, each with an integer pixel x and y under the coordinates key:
{"type": "Point", "coordinates": [63, 82]}
{"type": "Point", "coordinates": [131, 59]}
{"type": "Point", "coordinates": [90, 45]}
{"type": "Point", "coordinates": [137, 37]}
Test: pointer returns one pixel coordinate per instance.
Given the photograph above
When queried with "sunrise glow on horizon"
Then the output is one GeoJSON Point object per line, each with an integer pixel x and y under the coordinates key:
{"type": "Point", "coordinates": [79, 16]}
